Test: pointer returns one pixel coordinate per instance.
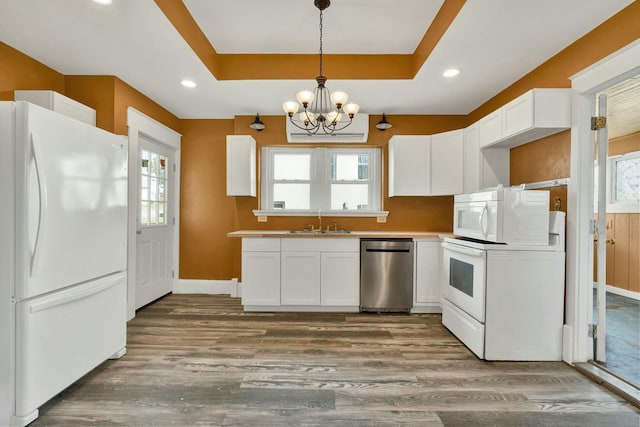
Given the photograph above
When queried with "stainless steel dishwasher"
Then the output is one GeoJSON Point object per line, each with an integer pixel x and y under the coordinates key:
{"type": "Point", "coordinates": [386, 275]}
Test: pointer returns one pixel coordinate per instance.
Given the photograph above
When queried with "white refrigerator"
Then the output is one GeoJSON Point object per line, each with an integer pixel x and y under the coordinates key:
{"type": "Point", "coordinates": [63, 240]}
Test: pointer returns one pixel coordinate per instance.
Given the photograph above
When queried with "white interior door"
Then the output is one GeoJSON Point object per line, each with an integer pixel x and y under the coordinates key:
{"type": "Point", "coordinates": [155, 222]}
{"type": "Point", "coordinates": [602, 142]}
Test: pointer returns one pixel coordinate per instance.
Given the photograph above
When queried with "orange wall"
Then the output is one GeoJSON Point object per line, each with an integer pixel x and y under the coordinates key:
{"type": "Point", "coordinates": [624, 144]}
{"type": "Point", "coordinates": [19, 71]}
{"type": "Point", "coordinates": [208, 214]}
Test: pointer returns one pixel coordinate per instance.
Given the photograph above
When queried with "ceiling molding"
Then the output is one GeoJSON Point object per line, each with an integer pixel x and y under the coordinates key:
{"type": "Point", "coordinates": [296, 66]}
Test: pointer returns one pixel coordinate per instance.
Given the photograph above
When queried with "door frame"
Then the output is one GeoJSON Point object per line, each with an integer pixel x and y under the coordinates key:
{"type": "Point", "coordinates": [141, 124]}
{"type": "Point", "coordinates": [617, 67]}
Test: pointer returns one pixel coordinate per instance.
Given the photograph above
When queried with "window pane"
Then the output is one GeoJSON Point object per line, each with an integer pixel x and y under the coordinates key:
{"type": "Point", "coordinates": [144, 190]}
{"type": "Point", "coordinates": [627, 180]}
{"type": "Point", "coordinates": [145, 162]}
{"type": "Point", "coordinates": [291, 166]}
{"type": "Point", "coordinates": [350, 196]}
{"type": "Point", "coordinates": [291, 196]}
{"type": "Point", "coordinates": [144, 213]}
{"type": "Point", "coordinates": [161, 215]}
{"type": "Point", "coordinates": [349, 167]}
{"type": "Point", "coordinates": [153, 189]}
{"type": "Point", "coordinates": [163, 167]}
{"type": "Point", "coordinates": [154, 164]}
{"type": "Point", "coordinates": [153, 213]}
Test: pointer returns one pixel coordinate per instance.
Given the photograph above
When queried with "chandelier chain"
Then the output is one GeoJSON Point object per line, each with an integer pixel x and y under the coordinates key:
{"type": "Point", "coordinates": [321, 43]}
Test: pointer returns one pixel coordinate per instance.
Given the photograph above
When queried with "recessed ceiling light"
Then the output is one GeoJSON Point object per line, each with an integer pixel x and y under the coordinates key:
{"type": "Point", "coordinates": [188, 83]}
{"type": "Point", "coordinates": [451, 72]}
{"type": "Point", "coordinates": [103, 1]}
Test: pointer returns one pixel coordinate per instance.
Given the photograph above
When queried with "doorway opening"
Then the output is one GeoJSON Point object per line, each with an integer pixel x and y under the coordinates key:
{"type": "Point", "coordinates": [616, 299]}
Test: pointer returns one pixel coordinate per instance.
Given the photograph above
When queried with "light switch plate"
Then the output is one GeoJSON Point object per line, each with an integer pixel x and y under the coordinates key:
{"type": "Point", "coordinates": [382, 219]}
{"type": "Point", "coordinates": [262, 218]}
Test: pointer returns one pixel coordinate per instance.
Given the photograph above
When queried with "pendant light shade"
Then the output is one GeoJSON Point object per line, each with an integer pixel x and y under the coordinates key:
{"type": "Point", "coordinates": [257, 124]}
{"type": "Point", "coordinates": [383, 124]}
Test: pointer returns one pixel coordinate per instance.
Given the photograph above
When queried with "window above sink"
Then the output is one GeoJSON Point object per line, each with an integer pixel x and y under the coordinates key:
{"type": "Point", "coordinates": [320, 181]}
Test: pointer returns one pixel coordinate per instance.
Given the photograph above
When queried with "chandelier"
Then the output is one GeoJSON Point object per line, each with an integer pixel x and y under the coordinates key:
{"type": "Point", "coordinates": [322, 111]}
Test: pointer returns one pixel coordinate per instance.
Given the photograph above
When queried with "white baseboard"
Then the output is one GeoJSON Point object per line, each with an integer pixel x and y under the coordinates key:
{"type": "Point", "coordinates": [622, 292]}
{"type": "Point", "coordinates": [210, 287]}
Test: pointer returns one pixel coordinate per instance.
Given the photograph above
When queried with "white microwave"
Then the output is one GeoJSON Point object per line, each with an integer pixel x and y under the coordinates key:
{"type": "Point", "coordinates": [504, 215]}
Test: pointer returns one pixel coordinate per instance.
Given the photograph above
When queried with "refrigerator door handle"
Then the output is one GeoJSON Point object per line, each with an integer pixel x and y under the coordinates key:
{"type": "Point", "coordinates": [70, 295]}
{"type": "Point", "coordinates": [37, 170]}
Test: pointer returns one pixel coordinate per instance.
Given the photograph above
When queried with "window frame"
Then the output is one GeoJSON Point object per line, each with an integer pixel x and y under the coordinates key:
{"type": "Point", "coordinates": [321, 182]}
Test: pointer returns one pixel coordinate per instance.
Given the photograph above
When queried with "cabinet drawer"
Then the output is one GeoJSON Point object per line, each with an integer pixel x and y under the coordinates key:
{"type": "Point", "coordinates": [321, 244]}
{"type": "Point", "coordinates": [256, 244]}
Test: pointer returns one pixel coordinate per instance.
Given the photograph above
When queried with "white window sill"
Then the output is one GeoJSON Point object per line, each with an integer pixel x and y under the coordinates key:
{"type": "Point", "coordinates": [345, 213]}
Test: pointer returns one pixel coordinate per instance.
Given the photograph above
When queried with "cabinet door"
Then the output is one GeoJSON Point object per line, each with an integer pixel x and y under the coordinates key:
{"type": "Point", "coordinates": [428, 267]}
{"type": "Point", "coordinates": [241, 165]}
{"type": "Point", "coordinates": [517, 115]}
{"type": "Point", "coordinates": [490, 128]}
{"type": "Point", "coordinates": [300, 281]}
{"type": "Point", "coordinates": [409, 165]}
{"type": "Point", "coordinates": [471, 155]}
{"type": "Point", "coordinates": [261, 278]}
{"type": "Point", "coordinates": [340, 278]}
{"type": "Point", "coordinates": [446, 163]}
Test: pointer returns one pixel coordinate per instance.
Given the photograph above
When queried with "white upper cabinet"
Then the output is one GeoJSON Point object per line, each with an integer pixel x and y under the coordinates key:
{"type": "Point", "coordinates": [59, 103]}
{"type": "Point", "coordinates": [447, 155]}
{"type": "Point", "coordinates": [483, 168]}
{"type": "Point", "coordinates": [241, 165]}
{"type": "Point", "coordinates": [533, 115]}
{"type": "Point", "coordinates": [410, 165]}
{"type": "Point", "coordinates": [426, 165]}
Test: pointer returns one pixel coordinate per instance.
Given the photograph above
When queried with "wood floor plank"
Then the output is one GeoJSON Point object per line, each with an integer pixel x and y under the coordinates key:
{"type": "Point", "coordinates": [200, 360]}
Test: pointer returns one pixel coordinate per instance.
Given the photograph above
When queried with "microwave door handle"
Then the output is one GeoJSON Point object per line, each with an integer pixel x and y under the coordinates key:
{"type": "Point", "coordinates": [484, 223]}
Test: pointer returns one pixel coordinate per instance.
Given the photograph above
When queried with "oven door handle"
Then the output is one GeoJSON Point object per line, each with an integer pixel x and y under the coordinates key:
{"type": "Point", "coordinates": [484, 225]}
{"type": "Point", "coordinates": [463, 250]}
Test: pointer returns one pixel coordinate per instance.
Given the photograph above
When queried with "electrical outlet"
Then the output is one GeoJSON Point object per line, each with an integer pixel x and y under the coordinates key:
{"type": "Point", "coordinates": [382, 219]}
{"type": "Point", "coordinates": [262, 218]}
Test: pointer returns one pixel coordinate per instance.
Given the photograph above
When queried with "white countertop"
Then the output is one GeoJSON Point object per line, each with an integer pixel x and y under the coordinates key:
{"type": "Point", "coordinates": [353, 234]}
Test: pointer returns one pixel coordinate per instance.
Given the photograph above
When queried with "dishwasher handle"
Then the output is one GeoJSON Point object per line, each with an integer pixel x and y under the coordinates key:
{"type": "Point", "coordinates": [388, 246]}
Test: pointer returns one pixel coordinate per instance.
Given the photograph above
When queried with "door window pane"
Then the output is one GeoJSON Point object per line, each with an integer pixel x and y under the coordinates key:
{"type": "Point", "coordinates": [153, 188]}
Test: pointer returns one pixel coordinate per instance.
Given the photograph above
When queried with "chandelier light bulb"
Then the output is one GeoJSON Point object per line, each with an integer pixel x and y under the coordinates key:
{"type": "Point", "coordinates": [290, 107]}
{"type": "Point", "coordinates": [351, 109]}
{"type": "Point", "coordinates": [339, 98]}
{"type": "Point", "coordinates": [305, 97]}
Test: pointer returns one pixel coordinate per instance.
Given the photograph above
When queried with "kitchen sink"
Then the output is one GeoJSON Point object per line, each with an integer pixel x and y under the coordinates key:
{"type": "Point", "coordinates": [319, 232]}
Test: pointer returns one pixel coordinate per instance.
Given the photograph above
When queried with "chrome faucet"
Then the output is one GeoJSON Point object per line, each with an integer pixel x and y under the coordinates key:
{"type": "Point", "coordinates": [319, 219]}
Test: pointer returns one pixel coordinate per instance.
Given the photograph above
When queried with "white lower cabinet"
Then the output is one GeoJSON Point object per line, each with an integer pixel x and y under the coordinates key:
{"type": "Point", "coordinates": [300, 280]}
{"type": "Point", "coordinates": [340, 278]}
{"type": "Point", "coordinates": [260, 271]}
{"type": "Point", "coordinates": [312, 273]}
{"type": "Point", "coordinates": [428, 267]}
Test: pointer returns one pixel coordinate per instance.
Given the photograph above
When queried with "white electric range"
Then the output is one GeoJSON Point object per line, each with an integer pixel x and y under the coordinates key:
{"type": "Point", "coordinates": [504, 301]}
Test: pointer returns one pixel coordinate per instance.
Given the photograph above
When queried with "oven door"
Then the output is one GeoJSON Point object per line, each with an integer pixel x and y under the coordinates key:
{"type": "Point", "coordinates": [465, 273]}
{"type": "Point", "coordinates": [478, 220]}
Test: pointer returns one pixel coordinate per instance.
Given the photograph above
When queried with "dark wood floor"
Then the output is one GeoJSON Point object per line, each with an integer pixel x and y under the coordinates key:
{"type": "Point", "coordinates": [200, 360]}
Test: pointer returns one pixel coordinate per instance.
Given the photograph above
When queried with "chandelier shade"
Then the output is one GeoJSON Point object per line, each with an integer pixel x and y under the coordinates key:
{"type": "Point", "coordinates": [323, 111]}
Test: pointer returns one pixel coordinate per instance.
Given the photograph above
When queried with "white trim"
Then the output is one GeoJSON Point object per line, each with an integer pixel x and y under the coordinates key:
{"type": "Point", "coordinates": [140, 123]}
{"type": "Point", "coordinates": [622, 292]}
{"type": "Point", "coordinates": [304, 308]}
{"type": "Point", "coordinates": [291, 212]}
{"type": "Point", "coordinates": [208, 287]}
{"type": "Point", "coordinates": [579, 296]}
{"type": "Point", "coordinates": [430, 308]}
